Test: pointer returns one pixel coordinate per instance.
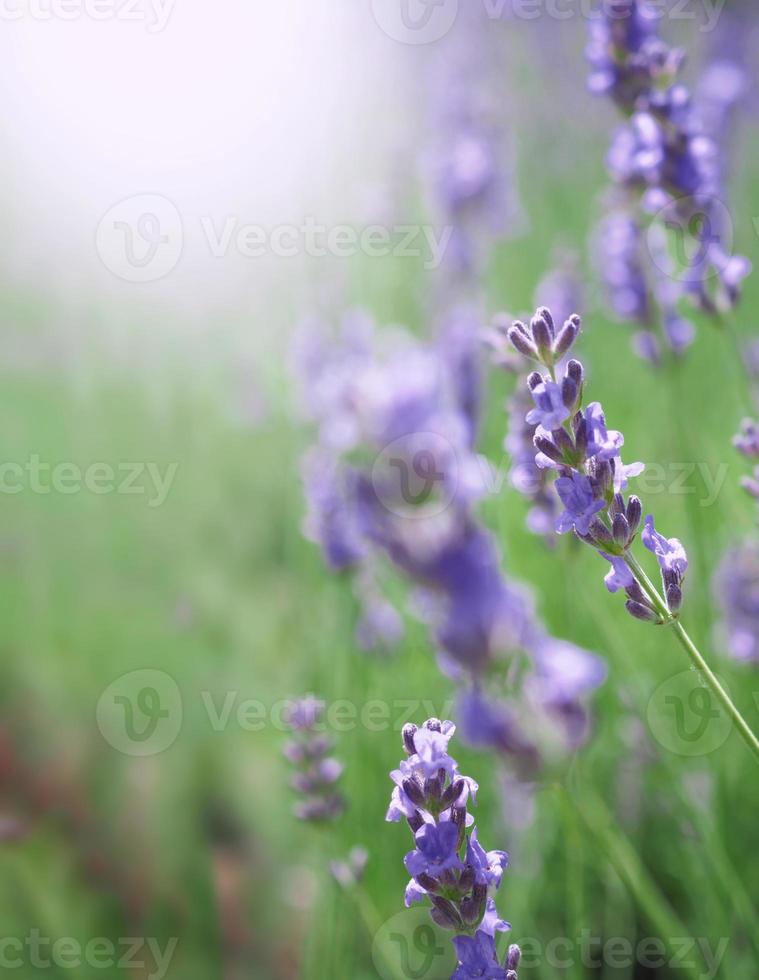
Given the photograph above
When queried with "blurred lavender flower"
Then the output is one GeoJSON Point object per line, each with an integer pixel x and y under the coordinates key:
{"type": "Point", "coordinates": [591, 478]}
{"type": "Point", "coordinates": [317, 772]}
{"type": "Point", "coordinates": [526, 477]}
{"type": "Point", "coordinates": [625, 54]}
{"type": "Point", "coordinates": [449, 867]}
{"type": "Point", "coordinates": [736, 586]}
{"type": "Point", "coordinates": [413, 479]}
{"type": "Point", "coordinates": [747, 440]}
{"type": "Point", "coordinates": [667, 162]}
{"type": "Point", "coordinates": [468, 167]}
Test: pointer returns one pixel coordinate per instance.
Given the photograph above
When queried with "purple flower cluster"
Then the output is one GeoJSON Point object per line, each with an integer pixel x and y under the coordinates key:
{"type": "Point", "coordinates": [316, 771]}
{"type": "Point", "coordinates": [666, 162]}
{"type": "Point", "coordinates": [448, 865]}
{"type": "Point", "coordinates": [590, 476]}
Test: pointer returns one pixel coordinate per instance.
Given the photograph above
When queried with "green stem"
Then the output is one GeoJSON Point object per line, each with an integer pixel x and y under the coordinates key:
{"type": "Point", "coordinates": [696, 657]}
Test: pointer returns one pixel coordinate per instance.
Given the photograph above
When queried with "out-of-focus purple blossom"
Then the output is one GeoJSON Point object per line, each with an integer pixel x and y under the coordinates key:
{"type": "Point", "coordinates": [525, 475]}
{"type": "Point", "coordinates": [449, 867]}
{"type": "Point", "coordinates": [380, 627]}
{"type": "Point", "coordinates": [403, 402]}
{"type": "Point", "coordinates": [316, 771]}
{"type": "Point", "coordinates": [624, 52]}
{"type": "Point", "coordinates": [468, 166]}
{"type": "Point", "coordinates": [747, 440]}
{"type": "Point", "coordinates": [330, 521]}
{"type": "Point", "coordinates": [736, 585]}
{"type": "Point", "coordinates": [619, 251]}
{"type": "Point", "coordinates": [668, 161]}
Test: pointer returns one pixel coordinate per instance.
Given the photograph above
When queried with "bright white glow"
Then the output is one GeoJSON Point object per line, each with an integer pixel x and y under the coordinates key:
{"type": "Point", "coordinates": [237, 107]}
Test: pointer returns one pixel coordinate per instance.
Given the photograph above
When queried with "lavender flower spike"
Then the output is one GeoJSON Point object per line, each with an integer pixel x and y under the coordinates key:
{"type": "Point", "coordinates": [590, 477]}
{"type": "Point", "coordinates": [448, 866]}
{"type": "Point", "coordinates": [316, 772]}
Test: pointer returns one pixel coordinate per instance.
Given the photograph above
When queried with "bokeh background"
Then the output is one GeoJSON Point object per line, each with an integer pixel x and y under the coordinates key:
{"type": "Point", "coordinates": [263, 114]}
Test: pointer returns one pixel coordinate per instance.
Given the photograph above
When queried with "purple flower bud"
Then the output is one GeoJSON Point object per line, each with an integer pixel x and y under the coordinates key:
{"type": "Point", "coordinates": [548, 447]}
{"type": "Point", "coordinates": [452, 793]}
{"type": "Point", "coordinates": [414, 791]}
{"type": "Point", "coordinates": [566, 338]}
{"type": "Point", "coordinates": [644, 613]}
{"type": "Point", "coordinates": [569, 392]}
{"type": "Point", "coordinates": [416, 821]}
{"type": "Point", "coordinates": [472, 908]}
{"type": "Point", "coordinates": [617, 505]}
{"type": "Point", "coordinates": [635, 592]}
{"type": "Point", "coordinates": [523, 344]}
{"type": "Point", "coordinates": [433, 724]}
{"type": "Point", "coordinates": [444, 914]}
{"type": "Point", "coordinates": [429, 883]}
{"type": "Point", "coordinates": [600, 534]}
{"type": "Point", "coordinates": [408, 733]}
{"type": "Point", "coordinates": [634, 514]}
{"type": "Point", "coordinates": [674, 598]}
{"type": "Point", "coordinates": [576, 372]}
{"type": "Point", "coordinates": [541, 335]}
{"type": "Point", "coordinates": [534, 379]}
{"type": "Point", "coordinates": [543, 313]}
{"type": "Point", "coordinates": [621, 530]}
{"type": "Point", "coordinates": [564, 443]}
{"type": "Point", "coordinates": [513, 957]}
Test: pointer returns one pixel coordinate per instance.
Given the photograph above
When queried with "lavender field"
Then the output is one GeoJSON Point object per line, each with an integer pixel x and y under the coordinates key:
{"type": "Point", "coordinates": [380, 580]}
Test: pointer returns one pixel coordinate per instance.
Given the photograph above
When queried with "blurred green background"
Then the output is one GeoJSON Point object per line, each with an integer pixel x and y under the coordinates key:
{"type": "Point", "coordinates": [217, 590]}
